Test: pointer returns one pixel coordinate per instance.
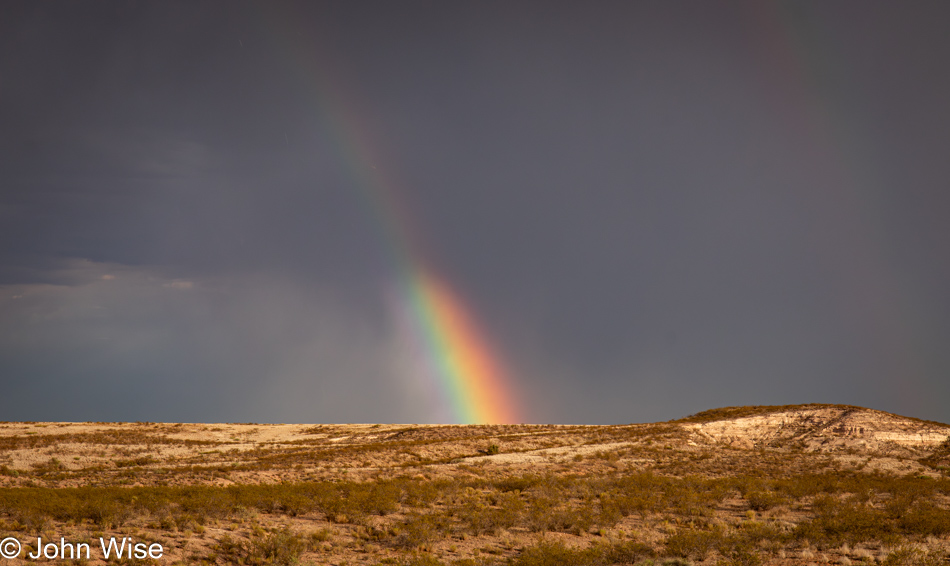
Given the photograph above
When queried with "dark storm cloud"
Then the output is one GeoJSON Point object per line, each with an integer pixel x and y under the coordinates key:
{"type": "Point", "coordinates": [654, 208]}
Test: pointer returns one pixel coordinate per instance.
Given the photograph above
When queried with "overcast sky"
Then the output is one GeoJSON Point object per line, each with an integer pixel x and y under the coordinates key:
{"type": "Point", "coordinates": [652, 208]}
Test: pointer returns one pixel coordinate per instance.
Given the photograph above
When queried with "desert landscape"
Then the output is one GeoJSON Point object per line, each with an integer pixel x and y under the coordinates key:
{"type": "Point", "coordinates": [780, 485]}
{"type": "Point", "coordinates": [319, 213]}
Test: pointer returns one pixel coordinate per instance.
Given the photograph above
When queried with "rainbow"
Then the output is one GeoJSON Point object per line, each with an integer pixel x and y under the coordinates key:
{"type": "Point", "coordinates": [469, 374]}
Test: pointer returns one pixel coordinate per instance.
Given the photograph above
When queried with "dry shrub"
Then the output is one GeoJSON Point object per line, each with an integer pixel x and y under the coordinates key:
{"type": "Point", "coordinates": [425, 493]}
{"type": "Point", "coordinates": [838, 521]}
{"type": "Point", "coordinates": [280, 548]}
{"type": "Point", "coordinates": [419, 529]}
{"type": "Point", "coordinates": [925, 518]}
{"type": "Point", "coordinates": [557, 554]}
{"type": "Point", "coordinates": [483, 519]}
{"type": "Point", "coordinates": [763, 500]}
{"type": "Point", "coordinates": [693, 543]}
{"type": "Point", "coordinates": [911, 556]}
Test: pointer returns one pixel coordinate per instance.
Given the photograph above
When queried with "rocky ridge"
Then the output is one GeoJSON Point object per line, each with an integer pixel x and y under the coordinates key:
{"type": "Point", "coordinates": [824, 428]}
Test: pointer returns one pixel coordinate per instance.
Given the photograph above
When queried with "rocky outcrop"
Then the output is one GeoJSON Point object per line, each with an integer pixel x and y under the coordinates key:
{"type": "Point", "coordinates": [824, 428]}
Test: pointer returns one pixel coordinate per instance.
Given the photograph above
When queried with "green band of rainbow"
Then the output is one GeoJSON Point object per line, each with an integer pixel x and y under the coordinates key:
{"type": "Point", "coordinates": [470, 376]}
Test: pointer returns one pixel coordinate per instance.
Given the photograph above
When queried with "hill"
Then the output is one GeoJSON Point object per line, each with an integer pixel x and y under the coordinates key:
{"type": "Point", "coordinates": [796, 484]}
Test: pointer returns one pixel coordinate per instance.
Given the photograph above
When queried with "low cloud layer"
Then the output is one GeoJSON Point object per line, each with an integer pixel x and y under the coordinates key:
{"type": "Point", "coordinates": [133, 344]}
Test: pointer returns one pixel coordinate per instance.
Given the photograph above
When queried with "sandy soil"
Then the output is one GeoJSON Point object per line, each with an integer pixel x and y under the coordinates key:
{"type": "Point", "coordinates": [807, 437]}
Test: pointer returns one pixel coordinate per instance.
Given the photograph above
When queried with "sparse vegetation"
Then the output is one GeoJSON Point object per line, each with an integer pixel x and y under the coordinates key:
{"type": "Point", "coordinates": [653, 494]}
{"type": "Point", "coordinates": [280, 548]}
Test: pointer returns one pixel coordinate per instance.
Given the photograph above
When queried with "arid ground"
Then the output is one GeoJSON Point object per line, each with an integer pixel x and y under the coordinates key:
{"type": "Point", "coordinates": [782, 485]}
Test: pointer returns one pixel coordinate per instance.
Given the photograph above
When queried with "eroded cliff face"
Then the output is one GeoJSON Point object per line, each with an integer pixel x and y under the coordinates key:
{"type": "Point", "coordinates": [825, 429]}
